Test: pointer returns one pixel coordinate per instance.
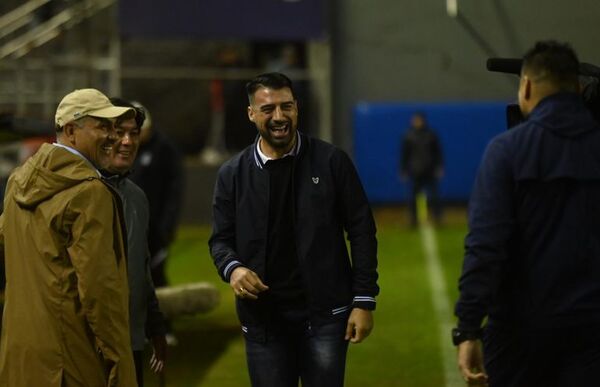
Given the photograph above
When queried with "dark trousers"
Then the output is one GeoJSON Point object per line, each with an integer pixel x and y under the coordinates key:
{"type": "Point", "coordinates": [298, 351]}
{"type": "Point", "coordinates": [138, 360]}
{"type": "Point", "coordinates": [429, 185]}
{"type": "Point", "coordinates": [566, 357]}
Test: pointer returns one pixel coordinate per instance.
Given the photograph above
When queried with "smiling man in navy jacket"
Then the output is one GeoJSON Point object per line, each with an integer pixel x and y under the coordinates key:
{"type": "Point", "coordinates": [532, 259]}
{"type": "Point", "coordinates": [281, 208]}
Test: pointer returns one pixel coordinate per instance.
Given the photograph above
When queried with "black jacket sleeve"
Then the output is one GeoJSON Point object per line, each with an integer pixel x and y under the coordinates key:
{"type": "Point", "coordinates": [173, 194]}
{"type": "Point", "coordinates": [155, 320]}
{"type": "Point", "coordinates": [360, 228]}
{"type": "Point", "coordinates": [405, 149]}
{"type": "Point", "coordinates": [438, 154]}
{"type": "Point", "coordinates": [491, 223]}
{"type": "Point", "coordinates": [222, 240]}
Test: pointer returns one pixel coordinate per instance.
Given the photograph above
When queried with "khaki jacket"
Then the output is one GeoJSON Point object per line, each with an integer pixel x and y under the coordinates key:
{"type": "Point", "coordinates": [66, 301]}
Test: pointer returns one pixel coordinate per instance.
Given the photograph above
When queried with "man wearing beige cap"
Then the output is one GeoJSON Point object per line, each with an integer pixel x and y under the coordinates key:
{"type": "Point", "coordinates": [66, 302]}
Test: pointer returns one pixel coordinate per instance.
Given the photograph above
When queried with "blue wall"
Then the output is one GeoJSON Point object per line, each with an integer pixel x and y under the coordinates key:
{"type": "Point", "coordinates": [464, 130]}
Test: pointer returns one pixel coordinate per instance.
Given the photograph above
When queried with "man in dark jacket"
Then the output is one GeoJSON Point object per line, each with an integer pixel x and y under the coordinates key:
{"type": "Point", "coordinates": [422, 163]}
{"type": "Point", "coordinates": [280, 210]}
{"type": "Point", "coordinates": [532, 259]}
{"type": "Point", "coordinates": [158, 172]}
{"type": "Point", "coordinates": [145, 317]}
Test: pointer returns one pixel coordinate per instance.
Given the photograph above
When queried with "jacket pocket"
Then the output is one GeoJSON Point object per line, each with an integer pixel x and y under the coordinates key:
{"type": "Point", "coordinates": [254, 333]}
{"type": "Point", "coordinates": [340, 310]}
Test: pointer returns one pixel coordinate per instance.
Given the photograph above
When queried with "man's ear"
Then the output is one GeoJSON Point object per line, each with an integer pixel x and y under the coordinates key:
{"type": "Point", "coordinates": [250, 113]}
{"type": "Point", "coordinates": [69, 131]}
{"type": "Point", "coordinates": [527, 89]}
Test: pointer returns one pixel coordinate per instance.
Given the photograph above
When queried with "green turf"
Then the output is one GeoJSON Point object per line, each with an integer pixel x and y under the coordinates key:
{"type": "Point", "coordinates": [451, 248]}
{"type": "Point", "coordinates": [403, 349]}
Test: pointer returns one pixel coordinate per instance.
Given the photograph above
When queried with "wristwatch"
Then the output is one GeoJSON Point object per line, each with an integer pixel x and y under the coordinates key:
{"type": "Point", "coordinates": [459, 335]}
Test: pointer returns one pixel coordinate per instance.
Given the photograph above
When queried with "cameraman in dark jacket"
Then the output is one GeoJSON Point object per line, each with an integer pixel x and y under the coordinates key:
{"type": "Point", "coordinates": [280, 208]}
{"type": "Point", "coordinates": [532, 259]}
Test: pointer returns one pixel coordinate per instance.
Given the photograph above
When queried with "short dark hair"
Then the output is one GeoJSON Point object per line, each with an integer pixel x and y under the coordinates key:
{"type": "Point", "coordinates": [274, 81]}
{"type": "Point", "coordinates": [554, 61]}
{"type": "Point", "coordinates": [140, 114]}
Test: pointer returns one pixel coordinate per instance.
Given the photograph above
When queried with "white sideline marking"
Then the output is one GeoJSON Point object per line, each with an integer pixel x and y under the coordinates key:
{"type": "Point", "coordinates": [441, 305]}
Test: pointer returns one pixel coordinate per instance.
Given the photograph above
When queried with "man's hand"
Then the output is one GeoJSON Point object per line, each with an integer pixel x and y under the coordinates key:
{"type": "Point", "coordinates": [360, 324]}
{"type": "Point", "coordinates": [470, 363]}
{"type": "Point", "coordinates": [246, 283]}
{"type": "Point", "coordinates": [159, 353]}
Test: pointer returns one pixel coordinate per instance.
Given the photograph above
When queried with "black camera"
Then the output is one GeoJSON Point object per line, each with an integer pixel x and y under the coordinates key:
{"type": "Point", "coordinates": [589, 78]}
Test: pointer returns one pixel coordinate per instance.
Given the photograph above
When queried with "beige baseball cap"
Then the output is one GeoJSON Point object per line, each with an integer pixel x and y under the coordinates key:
{"type": "Point", "coordinates": [86, 102]}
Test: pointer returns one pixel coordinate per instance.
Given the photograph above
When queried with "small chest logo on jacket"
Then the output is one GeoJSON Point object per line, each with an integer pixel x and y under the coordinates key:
{"type": "Point", "coordinates": [315, 180]}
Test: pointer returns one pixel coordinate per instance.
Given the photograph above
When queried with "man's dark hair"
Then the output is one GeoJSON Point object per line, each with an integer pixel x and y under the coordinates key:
{"type": "Point", "coordinates": [140, 114]}
{"type": "Point", "coordinates": [274, 81]}
{"type": "Point", "coordinates": [554, 61]}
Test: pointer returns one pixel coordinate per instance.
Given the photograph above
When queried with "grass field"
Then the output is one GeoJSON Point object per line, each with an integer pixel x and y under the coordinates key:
{"type": "Point", "coordinates": [403, 350]}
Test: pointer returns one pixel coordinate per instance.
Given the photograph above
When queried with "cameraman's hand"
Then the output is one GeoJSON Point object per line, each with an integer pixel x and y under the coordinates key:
{"type": "Point", "coordinates": [470, 363]}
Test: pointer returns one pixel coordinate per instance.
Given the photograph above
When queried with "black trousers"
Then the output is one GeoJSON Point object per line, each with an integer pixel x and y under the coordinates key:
{"type": "Point", "coordinates": [429, 185]}
{"type": "Point", "coordinates": [565, 357]}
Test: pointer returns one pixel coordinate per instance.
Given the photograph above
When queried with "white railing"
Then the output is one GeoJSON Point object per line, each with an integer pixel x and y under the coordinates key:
{"type": "Point", "coordinates": [19, 17]}
{"type": "Point", "coordinates": [46, 30]}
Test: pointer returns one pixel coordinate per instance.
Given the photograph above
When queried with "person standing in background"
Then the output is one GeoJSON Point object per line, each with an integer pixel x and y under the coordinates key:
{"type": "Point", "coordinates": [422, 164]}
{"type": "Point", "coordinates": [158, 171]}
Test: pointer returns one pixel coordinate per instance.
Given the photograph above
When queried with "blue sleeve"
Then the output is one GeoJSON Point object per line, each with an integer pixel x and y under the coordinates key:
{"type": "Point", "coordinates": [491, 223]}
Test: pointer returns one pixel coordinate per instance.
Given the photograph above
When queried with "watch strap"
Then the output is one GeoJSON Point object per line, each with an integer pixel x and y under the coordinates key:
{"type": "Point", "coordinates": [459, 335]}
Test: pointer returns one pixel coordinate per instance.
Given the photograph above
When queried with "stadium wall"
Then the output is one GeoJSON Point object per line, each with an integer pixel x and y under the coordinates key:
{"type": "Point", "coordinates": [464, 129]}
{"type": "Point", "coordinates": [411, 50]}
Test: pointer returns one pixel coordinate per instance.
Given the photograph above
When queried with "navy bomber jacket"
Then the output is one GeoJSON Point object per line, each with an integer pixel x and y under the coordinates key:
{"type": "Point", "coordinates": [329, 199]}
{"type": "Point", "coordinates": [532, 254]}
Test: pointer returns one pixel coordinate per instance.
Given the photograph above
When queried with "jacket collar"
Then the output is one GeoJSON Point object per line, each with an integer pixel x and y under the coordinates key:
{"type": "Point", "coordinates": [76, 152]}
{"type": "Point", "coordinates": [564, 114]}
{"type": "Point", "coordinates": [260, 159]}
{"type": "Point", "coordinates": [113, 178]}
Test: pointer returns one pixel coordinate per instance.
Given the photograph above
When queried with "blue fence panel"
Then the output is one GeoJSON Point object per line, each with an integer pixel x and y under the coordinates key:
{"type": "Point", "coordinates": [464, 130]}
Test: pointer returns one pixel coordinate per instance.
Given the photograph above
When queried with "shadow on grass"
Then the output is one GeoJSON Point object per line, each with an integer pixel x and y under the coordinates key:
{"type": "Point", "coordinates": [201, 343]}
